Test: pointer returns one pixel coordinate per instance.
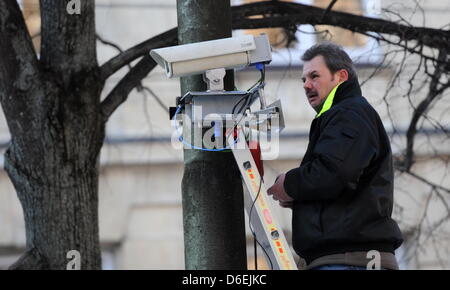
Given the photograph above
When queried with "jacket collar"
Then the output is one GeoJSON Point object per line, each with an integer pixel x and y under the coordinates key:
{"type": "Point", "coordinates": [342, 91]}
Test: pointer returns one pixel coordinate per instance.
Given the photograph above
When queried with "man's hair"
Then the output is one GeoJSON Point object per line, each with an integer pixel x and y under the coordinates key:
{"type": "Point", "coordinates": [335, 58]}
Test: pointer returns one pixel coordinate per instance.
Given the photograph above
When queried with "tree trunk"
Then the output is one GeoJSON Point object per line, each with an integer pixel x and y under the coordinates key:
{"type": "Point", "coordinates": [213, 207]}
{"type": "Point", "coordinates": [60, 215]}
{"type": "Point", "coordinates": [55, 173]}
{"type": "Point", "coordinates": [52, 107]}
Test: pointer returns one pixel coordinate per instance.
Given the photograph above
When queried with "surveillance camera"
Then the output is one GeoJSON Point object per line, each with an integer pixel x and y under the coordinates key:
{"type": "Point", "coordinates": [196, 58]}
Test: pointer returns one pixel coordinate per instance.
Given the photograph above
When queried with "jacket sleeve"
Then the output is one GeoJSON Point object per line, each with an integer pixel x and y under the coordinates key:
{"type": "Point", "coordinates": [345, 148]}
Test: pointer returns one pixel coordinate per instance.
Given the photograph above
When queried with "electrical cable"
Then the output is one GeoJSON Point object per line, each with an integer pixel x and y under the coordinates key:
{"type": "Point", "coordinates": [181, 139]}
{"type": "Point", "coordinates": [246, 104]}
{"type": "Point", "coordinates": [255, 254]}
{"type": "Point", "coordinates": [240, 100]}
{"type": "Point", "coordinates": [251, 228]}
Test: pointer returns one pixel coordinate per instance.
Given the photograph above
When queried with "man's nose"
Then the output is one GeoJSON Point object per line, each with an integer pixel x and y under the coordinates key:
{"type": "Point", "coordinates": [307, 85]}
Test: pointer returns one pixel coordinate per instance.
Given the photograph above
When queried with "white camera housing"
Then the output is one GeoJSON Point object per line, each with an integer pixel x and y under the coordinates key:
{"type": "Point", "coordinates": [196, 58]}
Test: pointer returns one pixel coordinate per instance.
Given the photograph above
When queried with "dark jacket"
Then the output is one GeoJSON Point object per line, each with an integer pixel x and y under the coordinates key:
{"type": "Point", "coordinates": [343, 189]}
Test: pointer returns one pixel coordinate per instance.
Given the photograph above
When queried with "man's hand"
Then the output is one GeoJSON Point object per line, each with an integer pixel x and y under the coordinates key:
{"type": "Point", "coordinates": [278, 193]}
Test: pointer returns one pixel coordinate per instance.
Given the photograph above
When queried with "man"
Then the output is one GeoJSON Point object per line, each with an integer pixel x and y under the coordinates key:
{"type": "Point", "coordinates": [342, 193]}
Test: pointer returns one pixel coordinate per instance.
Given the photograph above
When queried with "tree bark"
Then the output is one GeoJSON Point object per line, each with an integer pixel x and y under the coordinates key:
{"type": "Point", "coordinates": [54, 170]}
{"type": "Point", "coordinates": [213, 207]}
{"type": "Point", "coordinates": [52, 107]}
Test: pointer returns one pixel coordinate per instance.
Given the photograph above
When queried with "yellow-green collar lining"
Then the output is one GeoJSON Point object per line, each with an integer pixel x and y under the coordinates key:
{"type": "Point", "coordinates": [329, 101]}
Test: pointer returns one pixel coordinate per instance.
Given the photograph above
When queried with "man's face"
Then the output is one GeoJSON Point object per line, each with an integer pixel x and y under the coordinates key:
{"type": "Point", "coordinates": [318, 81]}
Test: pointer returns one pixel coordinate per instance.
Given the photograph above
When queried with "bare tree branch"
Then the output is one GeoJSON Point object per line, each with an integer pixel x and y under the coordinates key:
{"type": "Point", "coordinates": [16, 46]}
{"type": "Point", "coordinates": [406, 48]}
{"type": "Point", "coordinates": [120, 92]}
{"type": "Point", "coordinates": [434, 91]}
{"type": "Point", "coordinates": [139, 87]}
{"type": "Point", "coordinates": [158, 100]}
{"type": "Point", "coordinates": [115, 46]}
{"type": "Point", "coordinates": [286, 14]}
{"type": "Point", "coordinates": [113, 65]}
{"type": "Point", "coordinates": [19, 69]}
{"type": "Point", "coordinates": [328, 9]}
{"type": "Point", "coordinates": [108, 43]}
{"type": "Point", "coordinates": [431, 184]}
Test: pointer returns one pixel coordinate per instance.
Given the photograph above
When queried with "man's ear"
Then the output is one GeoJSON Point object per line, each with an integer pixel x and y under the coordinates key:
{"type": "Point", "coordinates": [342, 75]}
